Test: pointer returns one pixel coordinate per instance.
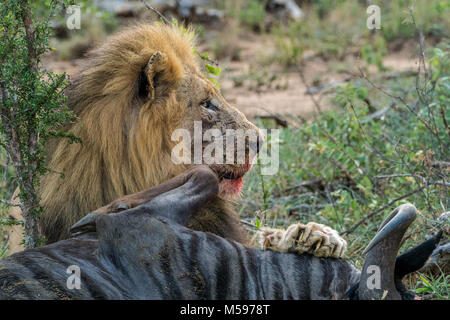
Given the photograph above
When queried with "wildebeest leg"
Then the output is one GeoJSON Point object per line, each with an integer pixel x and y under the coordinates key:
{"type": "Point", "coordinates": [177, 199]}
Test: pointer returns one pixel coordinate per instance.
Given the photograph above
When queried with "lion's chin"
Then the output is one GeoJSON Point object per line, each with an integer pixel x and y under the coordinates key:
{"type": "Point", "coordinates": [231, 180]}
{"type": "Point", "coordinates": [231, 188]}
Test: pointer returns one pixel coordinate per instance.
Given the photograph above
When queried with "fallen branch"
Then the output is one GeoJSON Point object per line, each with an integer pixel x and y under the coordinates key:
{"type": "Point", "coordinates": [378, 114]}
{"type": "Point", "coordinates": [423, 180]}
{"type": "Point", "coordinates": [440, 164]}
{"type": "Point", "coordinates": [334, 84]}
{"type": "Point", "coordinates": [310, 183]}
{"type": "Point", "coordinates": [278, 120]}
{"type": "Point", "coordinates": [157, 12]}
{"type": "Point", "coordinates": [249, 224]}
{"type": "Point", "coordinates": [328, 86]}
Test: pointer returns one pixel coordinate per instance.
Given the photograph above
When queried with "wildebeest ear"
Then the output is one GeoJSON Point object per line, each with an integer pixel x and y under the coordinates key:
{"type": "Point", "coordinates": [161, 70]}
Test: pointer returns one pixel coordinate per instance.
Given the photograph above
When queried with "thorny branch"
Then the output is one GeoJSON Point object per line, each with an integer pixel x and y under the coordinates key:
{"type": "Point", "coordinates": [12, 204]}
{"type": "Point", "coordinates": [213, 62]}
{"type": "Point", "coordinates": [426, 184]}
{"type": "Point", "coordinates": [373, 213]}
{"type": "Point", "coordinates": [422, 179]}
{"type": "Point", "coordinates": [156, 11]}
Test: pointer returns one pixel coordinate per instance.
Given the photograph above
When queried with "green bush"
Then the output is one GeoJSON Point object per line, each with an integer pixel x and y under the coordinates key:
{"type": "Point", "coordinates": [253, 14]}
{"type": "Point", "coordinates": [374, 53]}
{"type": "Point", "coordinates": [33, 106]}
{"type": "Point", "coordinates": [429, 15]}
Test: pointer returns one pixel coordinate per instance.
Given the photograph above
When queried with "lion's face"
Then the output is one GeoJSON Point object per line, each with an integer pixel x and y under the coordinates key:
{"type": "Point", "coordinates": [221, 136]}
{"type": "Point", "coordinates": [174, 94]}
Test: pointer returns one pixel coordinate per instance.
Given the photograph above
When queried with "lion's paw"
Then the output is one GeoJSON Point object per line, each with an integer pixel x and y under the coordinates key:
{"type": "Point", "coordinates": [270, 238]}
{"type": "Point", "coordinates": [313, 238]}
{"type": "Point", "coordinates": [321, 241]}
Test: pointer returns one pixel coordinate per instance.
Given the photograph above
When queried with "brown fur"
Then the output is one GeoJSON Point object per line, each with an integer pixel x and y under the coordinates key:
{"type": "Point", "coordinates": [126, 144]}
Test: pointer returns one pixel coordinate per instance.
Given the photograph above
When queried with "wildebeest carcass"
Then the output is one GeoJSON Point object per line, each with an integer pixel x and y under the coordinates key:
{"type": "Point", "coordinates": [147, 252]}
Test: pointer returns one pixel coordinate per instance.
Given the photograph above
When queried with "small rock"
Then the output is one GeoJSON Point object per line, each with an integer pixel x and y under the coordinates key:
{"type": "Point", "coordinates": [286, 8]}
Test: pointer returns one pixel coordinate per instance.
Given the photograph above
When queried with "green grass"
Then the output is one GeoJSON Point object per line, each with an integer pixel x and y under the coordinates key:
{"type": "Point", "coordinates": [253, 14]}
{"type": "Point", "coordinates": [436, 286]}
{"type": "Point", "coordinates": [334, 29]}
{"type": "Point", "coordinates": [94, 27]}
{"type": "Point", "coordinates": [347, 153]}
{"type": "Point", "coordinates": [431, 17]}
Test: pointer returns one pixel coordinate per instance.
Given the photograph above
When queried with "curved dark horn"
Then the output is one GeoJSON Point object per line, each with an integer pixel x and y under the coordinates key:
{"type": "Point", "coordinates": [396, 220]}
{"type": "Point", "coordinates": [377, 275]}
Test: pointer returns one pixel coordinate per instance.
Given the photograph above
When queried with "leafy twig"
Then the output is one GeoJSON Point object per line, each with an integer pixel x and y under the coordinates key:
{"type": "Point", "coordinates": [308, 89]}
{"type": "Point", "coordinates": [373, 213]}
{"type": "Point", "coordinates": [423, 180]}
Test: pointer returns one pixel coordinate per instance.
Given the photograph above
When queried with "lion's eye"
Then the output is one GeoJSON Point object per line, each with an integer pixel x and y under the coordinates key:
{"type": "Point", "coordinates": [209, 105]}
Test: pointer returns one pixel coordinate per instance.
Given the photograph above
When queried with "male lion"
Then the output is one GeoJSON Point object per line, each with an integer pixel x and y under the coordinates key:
{"type": "Point", "coordinates": [134, 91]}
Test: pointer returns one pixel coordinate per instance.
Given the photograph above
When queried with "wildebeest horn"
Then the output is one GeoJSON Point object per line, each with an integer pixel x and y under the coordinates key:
{"type": "Point", "coordinates": [395, 221]}
{"type": "Point", "coordinates": [377, 276]}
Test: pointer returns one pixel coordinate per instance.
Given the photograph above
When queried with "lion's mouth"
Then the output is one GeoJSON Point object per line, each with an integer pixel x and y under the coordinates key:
{"type": "Point", "coordinates": [231, 175]}
{"type": "Point", "coordinates": [231, 180]}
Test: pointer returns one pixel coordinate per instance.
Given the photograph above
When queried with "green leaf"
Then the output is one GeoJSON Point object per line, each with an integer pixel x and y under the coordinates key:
{"type": "Point", "coordinates": [213, 70]}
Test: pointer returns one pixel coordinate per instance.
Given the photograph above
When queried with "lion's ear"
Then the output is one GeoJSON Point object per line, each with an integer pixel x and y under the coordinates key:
{"type": "Point", "coordinates": [161, 70]}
